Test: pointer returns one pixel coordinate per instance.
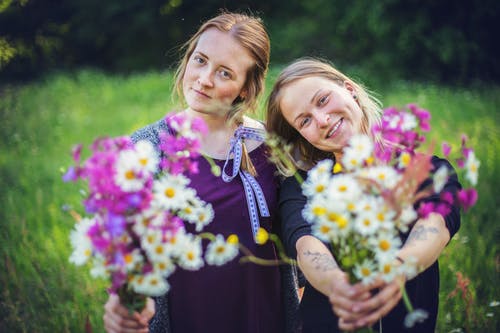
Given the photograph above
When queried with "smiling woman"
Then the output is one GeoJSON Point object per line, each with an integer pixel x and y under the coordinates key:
{"type": "Point", "coordinates": [316, 109]}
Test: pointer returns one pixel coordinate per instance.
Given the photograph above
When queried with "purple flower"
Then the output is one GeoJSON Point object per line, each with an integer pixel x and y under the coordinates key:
{"type": "Point", "coordinates": [467, 198]}
{"type": "Point", "coordinates": [115, 225]}
{"type": "Point", "coordinates": [426, 208]}
{"type": "Point", "coordinates": [446, 149]}
{"type": "Point", "coordinates": [70, 175]}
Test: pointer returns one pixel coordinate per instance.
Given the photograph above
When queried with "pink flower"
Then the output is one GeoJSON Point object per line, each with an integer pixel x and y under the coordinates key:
{"type": "Point", "coordinates": [426, 208]}
{"type": "Point", "coordinates": [446, 149]}
{"type": "Point", "coordinates": [467, 198]}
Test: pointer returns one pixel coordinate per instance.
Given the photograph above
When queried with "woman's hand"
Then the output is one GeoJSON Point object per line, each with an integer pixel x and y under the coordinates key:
{"type": "Point", "coordinates": [344, 297]}
{"type": "Point", "coordinates": [364, 312]}
{"type": "Point", "coordinates": [117, 318]}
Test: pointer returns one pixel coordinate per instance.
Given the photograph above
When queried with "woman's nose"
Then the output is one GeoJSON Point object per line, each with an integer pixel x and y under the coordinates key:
{"type": "Point", "coordinates": [322, 118]}
{"type": "Point", "coordinates": [205, 78]}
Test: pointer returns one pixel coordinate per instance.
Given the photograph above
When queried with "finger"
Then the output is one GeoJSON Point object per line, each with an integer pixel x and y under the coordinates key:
{"type": "Point", "coordinates": [384, 295]}
{"type": "Point", "coordinates": [347, 325]}
{"type": "Point", "coordinates": [381, 311]}
{"type": "Point", "coordinates": [148, 312]}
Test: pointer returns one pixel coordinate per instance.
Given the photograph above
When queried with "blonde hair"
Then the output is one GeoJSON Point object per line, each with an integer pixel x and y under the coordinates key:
{"type": "Point", "coordinates": [309, 155]}
{"type": "Point", "coordinates": [250, 32]}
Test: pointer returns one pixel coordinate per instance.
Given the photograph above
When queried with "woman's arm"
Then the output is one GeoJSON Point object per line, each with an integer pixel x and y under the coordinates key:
{"type": "Point", "coordinates": [426, 241]}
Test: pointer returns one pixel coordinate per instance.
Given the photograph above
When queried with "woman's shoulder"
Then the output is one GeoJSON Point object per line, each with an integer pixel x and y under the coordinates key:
{"type": "Point", "coordinates": [150, 132]}
{"type": "Point", "coordinates": [253, 123]}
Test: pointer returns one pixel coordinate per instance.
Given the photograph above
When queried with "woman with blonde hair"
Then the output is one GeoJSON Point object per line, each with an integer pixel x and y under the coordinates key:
{"type": "Point", "coordinates": [316, 109]}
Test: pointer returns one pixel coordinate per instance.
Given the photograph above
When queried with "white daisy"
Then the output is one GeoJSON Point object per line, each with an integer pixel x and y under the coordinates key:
{"type": "Point", "coordinates": [147, 157]}
{"type": "Point", "coordinates": [404, 160]}
{"type": "Point", "coordinates": [314, 209]}
{"type": "Point", "coordinates": [190, 254]}
{"type": "Point", "coordinates": [406, 218]}
{"type": "Point", "coordinates": [343, 187]}
{"type": "Point", "coordinates": [385, 245]}
{"type": "Point", "coordinates": [165, 267]}
{"type": "Point", "coordinates": [365, 271]}
{"type": "Point", "coordinates": [439, 179]}
{"type": "Point", "coordinates": [316, 183]}
{"type": "Point", "coordinates": [362, 145]}
{"type": "Point", "coordinates": [387, 269]}
{"type": "Point", "coordinates": [205, 215]}
{"type": "Point", "coordinates": [80, 242]}
{"type": "Point", "coordinates": [366, 223]}
{"type": "Point", "coordinates": [351, 160]}
{"type": "Point", "coordinates": [472, 167]}
{"type": "Point", "coordinates": [409, 121]}
{"type": "Point", "coordinates": [416, 316]}
{"type": "Point", "coordinates": [340, 221]}
{"type": "Point", "coordinates": [170, 192]}
{"type": "Point", "coordinates": [128, 175]}
{"type": "Point", "coordinates": [220, 252]}
{"type": "Point", "coordinates": [323, 230]}
{"type": "Point", "coordinates": [133, 260]}
{"type": "Point", "coordinates": [384, 175]}
{"type": "Point", "coordinates": [99, 268]}
{"type": "Point", "coordinates": [151, 284]}
{"type": "Point", "coordinates": [385, 217]}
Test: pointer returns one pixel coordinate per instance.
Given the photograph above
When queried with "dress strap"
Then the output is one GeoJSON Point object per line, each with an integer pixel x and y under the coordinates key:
{"type": "Point", "coordinates": [256, 200]}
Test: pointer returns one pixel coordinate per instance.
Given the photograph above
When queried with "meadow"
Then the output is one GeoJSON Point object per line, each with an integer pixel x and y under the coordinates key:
{"type": "Point", "coordinates": [40, 291]}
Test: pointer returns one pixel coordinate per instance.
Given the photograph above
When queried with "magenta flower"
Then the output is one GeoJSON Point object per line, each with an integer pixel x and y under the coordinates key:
{"type": "Point", "coordinates": [446, 149]}
{"type": "Point", "coordinates": [467, 198]}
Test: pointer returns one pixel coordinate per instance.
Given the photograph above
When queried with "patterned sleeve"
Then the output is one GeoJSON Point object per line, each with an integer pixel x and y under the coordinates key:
{"type": "Point", "coordinates": [151, 133]}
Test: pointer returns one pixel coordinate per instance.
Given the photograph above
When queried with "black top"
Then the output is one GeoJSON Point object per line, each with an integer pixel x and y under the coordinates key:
{"type": "Point", "coordinates": [423, 290]}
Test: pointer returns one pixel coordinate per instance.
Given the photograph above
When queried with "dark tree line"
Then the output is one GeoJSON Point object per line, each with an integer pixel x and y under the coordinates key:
{"type": "Point", "coordinates": [444, 40]}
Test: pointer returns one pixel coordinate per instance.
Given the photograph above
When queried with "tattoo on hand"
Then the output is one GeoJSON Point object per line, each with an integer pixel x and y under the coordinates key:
{"type": "Point", "coordinates": [420, 233]}
{"type": "Point", "coordinates": [322, 261]}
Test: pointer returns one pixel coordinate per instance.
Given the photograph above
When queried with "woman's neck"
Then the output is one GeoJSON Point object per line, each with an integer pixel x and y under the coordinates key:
{"type": "Point", "coordinates": [220, 131]}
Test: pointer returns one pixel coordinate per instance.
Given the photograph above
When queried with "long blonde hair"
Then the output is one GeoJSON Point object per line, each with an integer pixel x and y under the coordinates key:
{"type": "Point", "coordinates": [250, 32]}
{"type": "Point", "coordinates": [309, 155]}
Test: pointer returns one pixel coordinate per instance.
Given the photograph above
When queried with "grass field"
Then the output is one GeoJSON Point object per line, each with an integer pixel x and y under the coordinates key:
{"type": "Point", "coordinates": [40, 122]}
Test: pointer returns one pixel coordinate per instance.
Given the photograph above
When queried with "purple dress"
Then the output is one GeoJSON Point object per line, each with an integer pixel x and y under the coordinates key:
{"type": "Point", "coordinates": [235, 297]}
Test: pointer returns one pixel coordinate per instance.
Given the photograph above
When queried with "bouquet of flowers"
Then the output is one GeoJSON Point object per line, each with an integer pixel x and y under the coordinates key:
{"type": "Point", "coordinates": [139, 201]}
{"type": "Point", "coordinates": [375, 192]}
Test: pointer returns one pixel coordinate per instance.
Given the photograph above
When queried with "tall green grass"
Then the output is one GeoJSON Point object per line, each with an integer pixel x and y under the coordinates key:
{"type": "Point", "coordinates": [40, 122]}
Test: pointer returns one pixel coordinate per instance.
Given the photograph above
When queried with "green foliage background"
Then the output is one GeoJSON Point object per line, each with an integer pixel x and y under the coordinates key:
{"type": "Point", "coordinates": [450, 41]}
{"type": "Point", "coordinates": [42, 120]}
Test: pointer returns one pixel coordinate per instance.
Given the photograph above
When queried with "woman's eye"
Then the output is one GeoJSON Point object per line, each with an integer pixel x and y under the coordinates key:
{"type": "Point", "coordinates": [225, 74]}
{"type": "Point", "coordinates": [304, 121]}
{"type": "Point", "coordinates": [199, 60]}
{"type": "Point", "coordinates": [323, 100]}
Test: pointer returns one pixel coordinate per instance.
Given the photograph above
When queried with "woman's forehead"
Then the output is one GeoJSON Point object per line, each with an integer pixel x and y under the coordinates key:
{"type": "Point", "coordinates": [221, 47]}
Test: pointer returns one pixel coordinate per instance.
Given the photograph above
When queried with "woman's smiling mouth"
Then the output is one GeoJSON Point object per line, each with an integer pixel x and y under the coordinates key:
{"type": "Point", "coordinates": [334, 129]}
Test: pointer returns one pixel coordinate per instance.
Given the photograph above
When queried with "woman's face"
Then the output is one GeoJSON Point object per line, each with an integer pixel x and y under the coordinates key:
{"type": "Point", "coordinates": [324, 112]}
{"type": "Point", "coordinates": [215, 73]}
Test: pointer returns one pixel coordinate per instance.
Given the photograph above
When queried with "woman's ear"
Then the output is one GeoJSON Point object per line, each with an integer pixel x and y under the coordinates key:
{"type": "Point", "coordinates": [350, 87]}
{"type": "Point", "coordinates": [243, 94]}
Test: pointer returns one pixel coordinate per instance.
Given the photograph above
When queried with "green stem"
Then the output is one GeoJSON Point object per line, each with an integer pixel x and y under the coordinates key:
{"type": "Point", "coordinates": [207, 235]}
{"type": "Point", "coordinates": [281, 250]}
{"type": "Point", "coordinates": [406, 299]}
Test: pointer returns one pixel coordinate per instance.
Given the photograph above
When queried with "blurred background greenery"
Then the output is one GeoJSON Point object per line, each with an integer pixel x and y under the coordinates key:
{"type": "Point", "coordinates": [74, 70]}
{"type": "Point", "coordinates": [444, 40]}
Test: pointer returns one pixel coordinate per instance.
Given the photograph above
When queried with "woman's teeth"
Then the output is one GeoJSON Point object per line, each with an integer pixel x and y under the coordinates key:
{"type": "Point", "coordinates": [335, 128]}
